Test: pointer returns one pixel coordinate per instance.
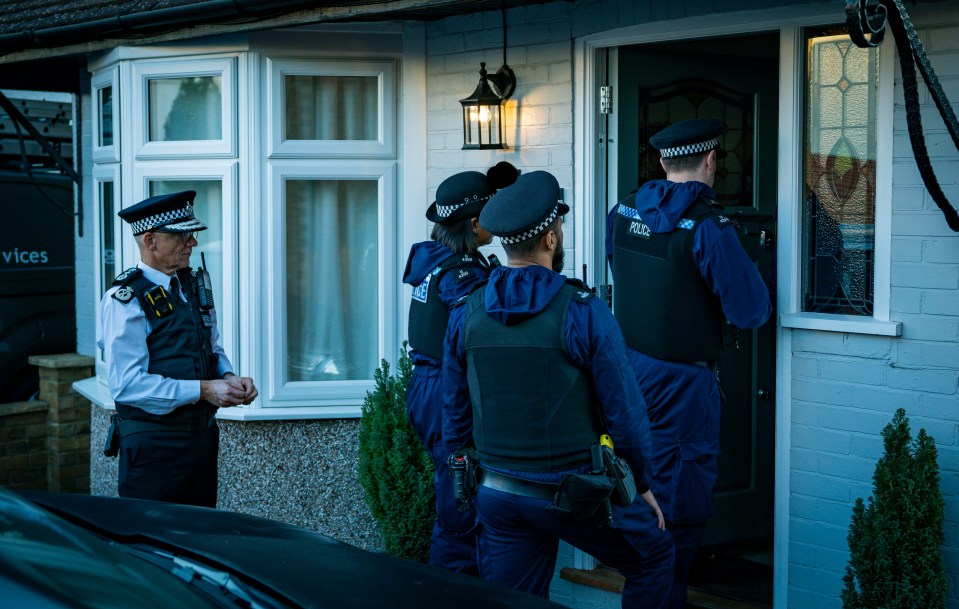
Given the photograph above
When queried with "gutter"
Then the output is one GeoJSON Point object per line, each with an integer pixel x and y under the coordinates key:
{"type": "Point", "coordinates": [153, 21]}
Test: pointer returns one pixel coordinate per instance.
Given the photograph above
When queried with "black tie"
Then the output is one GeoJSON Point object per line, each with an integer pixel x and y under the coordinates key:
{"type": "Point", "coordinates": [175, 288]}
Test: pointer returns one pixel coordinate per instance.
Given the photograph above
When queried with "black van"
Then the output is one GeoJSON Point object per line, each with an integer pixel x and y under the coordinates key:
{"type": "Point", "coordinates": [37, 287]}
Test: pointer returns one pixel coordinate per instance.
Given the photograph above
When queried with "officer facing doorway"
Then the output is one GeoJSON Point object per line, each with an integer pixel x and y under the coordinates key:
{"type": "Point", "coordinates": [733, 79]}
{"type": "Point", "coordinates": [697, 286]}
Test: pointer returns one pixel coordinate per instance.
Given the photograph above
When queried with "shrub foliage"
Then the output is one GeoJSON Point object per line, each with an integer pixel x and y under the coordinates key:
{"type": "Point", "coordinates": [394, 468]}
{"type": "Point", "coordinates": [895, 560]}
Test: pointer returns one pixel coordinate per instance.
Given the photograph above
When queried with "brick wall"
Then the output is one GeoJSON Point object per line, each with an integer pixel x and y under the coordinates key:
{"type": "Point", "coordinates": [538, 117]}
{"type": "Point", "coordinates": [23, 445]}
{"type": "Point", "coordinates": [846, 387]}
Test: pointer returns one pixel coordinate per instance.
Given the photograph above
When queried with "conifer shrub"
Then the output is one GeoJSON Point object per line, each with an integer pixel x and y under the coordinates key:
{"type": "Point", "coordinates": [394, 469]}
{"type": "Point", "coordinates": [895, 560]}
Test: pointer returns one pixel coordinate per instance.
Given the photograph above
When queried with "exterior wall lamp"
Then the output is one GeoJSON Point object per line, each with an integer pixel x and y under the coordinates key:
{"type": "Point", "coordinates": [483, 110]}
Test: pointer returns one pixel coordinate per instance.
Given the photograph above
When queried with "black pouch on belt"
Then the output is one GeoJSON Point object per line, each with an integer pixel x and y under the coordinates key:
{"type": "Point", "coordinates": [111, 448]}
{"type": "Point", "coordinates": [622, 476]}
{"type": "Point", "coordinates": [583, 497]}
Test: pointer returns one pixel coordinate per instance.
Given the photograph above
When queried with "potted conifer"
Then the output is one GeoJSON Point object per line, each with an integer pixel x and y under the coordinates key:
{"type": "Point", "coordinates": [394, 468]}
{"type": "Point", "coordinates": [895, 560]}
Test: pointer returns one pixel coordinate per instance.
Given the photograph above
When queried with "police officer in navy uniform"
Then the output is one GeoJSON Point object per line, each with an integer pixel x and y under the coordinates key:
{"type": "Point", "coordinates": [442, 271]}
{"type": "Point", "coordinates": [681, 277]}
{"type": "Point", "coordinates": [535, 370]}
{"type": "Point", "coordinates": [167, 372]}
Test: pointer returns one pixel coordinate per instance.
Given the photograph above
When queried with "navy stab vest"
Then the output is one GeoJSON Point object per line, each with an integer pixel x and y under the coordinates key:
{"type": "Point", "coordinates": [662, 304]}
{"type": "Point", "coordinates": [533, 408]}
{"type": "Point", "coordinates": [180, 347]}
{"type": "Point", "coordinates": [429, 315]}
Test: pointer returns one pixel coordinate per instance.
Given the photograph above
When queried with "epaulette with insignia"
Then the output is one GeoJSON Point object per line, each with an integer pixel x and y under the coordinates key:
{"type": "Point", "coordinates": [124, 294]}
{"type": "Point", "coordinates": [462, 274]}
{"type": "Point", "coordinates": [127, 276]}
{"type": "Point", "coordinates": [583, 293]}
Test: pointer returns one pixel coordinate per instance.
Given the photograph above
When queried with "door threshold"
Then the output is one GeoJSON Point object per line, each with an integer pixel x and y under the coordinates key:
{"type": "Point", "coordinates": [701, 599]}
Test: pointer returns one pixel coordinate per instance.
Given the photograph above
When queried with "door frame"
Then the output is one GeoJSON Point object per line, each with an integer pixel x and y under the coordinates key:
{"type": "Point", "coordinates": [590, 182]}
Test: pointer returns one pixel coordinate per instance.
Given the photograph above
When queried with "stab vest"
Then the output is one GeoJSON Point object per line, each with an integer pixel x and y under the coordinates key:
{"type": "Point", "coordinates": [429, 315]}
{"type": "Point", "coordinates": [179, 344]}
{"type": "Point", "coordinates": [662, 304]}
{"type": "Point", "coordinates": [533, 408]}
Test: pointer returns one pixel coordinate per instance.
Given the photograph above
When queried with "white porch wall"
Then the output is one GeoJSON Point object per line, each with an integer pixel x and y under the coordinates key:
{"type": "Point", "coordinates": [538, 117]}
{"type": "Point", "coordinates": [845, 387]}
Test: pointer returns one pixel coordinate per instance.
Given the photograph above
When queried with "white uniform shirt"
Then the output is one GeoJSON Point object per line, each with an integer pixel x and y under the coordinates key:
{"type": "Point", "coordinates": [122, 334]}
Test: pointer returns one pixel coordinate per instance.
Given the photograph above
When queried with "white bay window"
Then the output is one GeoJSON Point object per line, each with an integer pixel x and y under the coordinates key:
{"type": "Point", "coordinates": [294, 160]}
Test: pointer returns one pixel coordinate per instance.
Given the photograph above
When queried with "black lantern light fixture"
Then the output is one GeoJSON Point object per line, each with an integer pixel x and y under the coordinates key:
{"type": "Point", "coordinates": [483, 110]}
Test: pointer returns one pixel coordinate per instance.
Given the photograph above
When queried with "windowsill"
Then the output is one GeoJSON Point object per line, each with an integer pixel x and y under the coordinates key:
{"type": "Point", "coordinates": [98, 394]}
{"type": "Point", "coordinates": [840, 323]}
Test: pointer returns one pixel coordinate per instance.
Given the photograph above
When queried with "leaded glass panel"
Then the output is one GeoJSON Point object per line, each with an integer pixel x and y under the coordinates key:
{"type": "Point", "coordinates": [840, 176]}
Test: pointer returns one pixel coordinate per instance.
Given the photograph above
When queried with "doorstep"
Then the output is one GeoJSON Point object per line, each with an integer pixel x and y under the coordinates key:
{"type": "Point", "coordinates": [605, 578]}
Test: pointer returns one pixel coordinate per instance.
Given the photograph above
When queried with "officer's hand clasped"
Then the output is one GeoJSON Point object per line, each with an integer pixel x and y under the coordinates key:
{"type": "Point", "coordinates": [231, 391]}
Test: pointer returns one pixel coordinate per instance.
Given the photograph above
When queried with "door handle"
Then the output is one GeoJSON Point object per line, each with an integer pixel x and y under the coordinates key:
{"type": "Point", "coordinates": [766, 238]}
{"type": "Point", "coordinates": [763, 393]}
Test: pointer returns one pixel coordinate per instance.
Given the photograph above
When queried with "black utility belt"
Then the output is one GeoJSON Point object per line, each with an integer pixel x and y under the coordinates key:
{"type": "Point", "coordinates": [127, 427]}
{"type": "Point", "coordinates": [517, 486]}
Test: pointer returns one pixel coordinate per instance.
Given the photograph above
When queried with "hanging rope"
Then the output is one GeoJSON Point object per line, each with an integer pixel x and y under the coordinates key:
{"type": "Point", "coordinates": [870, 17]}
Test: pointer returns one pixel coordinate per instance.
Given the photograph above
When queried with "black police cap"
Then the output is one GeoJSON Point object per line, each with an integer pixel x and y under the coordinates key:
{"type": "Point", "coordinates": [171, 213]}
{"type": "Point", "coordinates": [688, 137]}
{"type": "Point", "coordinates": [525, 209]}
{"type": "Point", "coordinates": [464, 194]}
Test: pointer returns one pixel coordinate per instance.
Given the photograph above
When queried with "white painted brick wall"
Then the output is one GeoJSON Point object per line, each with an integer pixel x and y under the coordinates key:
{"type": "Point", "coordinates": [841, 404]}
{"type": "Point", "coordinates": [538, 117]}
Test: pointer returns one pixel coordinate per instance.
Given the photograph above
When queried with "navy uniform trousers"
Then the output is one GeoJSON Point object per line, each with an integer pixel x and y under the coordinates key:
{"type": "Point", "coordinates": [453, 543]}
{"type": "Point", "coordinates": [519, 538]}
{"type": "Point", "coordinates": [177, 466]}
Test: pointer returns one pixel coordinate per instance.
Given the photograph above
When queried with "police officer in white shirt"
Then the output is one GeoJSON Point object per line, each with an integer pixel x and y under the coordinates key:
{"type": "Point", "coordinates": [167, 372]}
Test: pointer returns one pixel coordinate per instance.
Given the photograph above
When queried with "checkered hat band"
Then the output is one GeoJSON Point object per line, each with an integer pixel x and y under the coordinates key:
{"type": "Point", "coordinates": [669, 153]}
{"type": "Point", "coordinates": [445, 211]}
{"type": "Point", "coordinates": [162, 219]}
{"type": "Point", "coordinates": [532, 232]}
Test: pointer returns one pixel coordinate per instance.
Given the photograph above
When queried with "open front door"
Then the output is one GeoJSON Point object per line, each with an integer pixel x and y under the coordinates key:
{"type": "Point", "coordinates": [734, 79]}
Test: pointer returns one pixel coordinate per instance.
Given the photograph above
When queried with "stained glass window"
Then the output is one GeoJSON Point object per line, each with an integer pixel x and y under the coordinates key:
{"type": "Point", "coordinates": [839, 201]}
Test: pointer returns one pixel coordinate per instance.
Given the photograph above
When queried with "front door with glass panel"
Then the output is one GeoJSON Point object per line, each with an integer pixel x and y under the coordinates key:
{"type": "Point", "coordinates": [734, 79]}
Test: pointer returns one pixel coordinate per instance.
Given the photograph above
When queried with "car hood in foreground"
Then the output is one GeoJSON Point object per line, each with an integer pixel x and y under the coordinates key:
{"type": "Point", "coordinates": [309, 569]}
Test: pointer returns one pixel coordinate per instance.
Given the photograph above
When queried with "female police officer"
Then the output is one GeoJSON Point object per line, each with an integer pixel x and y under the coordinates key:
{"type": "Point", "coordinates": [441, 271]}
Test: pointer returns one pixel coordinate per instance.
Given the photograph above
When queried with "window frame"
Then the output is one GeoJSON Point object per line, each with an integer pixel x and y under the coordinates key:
{"type": "Point", "coordinates": [792, 315]}
{"type": "Point", "coordinates": [145, 70]}
{"type": "Point", "coordinates": [277, 67]}
{"type": "Point", "coordinates": [227, 173]}
{"type": "Point", "coordinates": [108, 78]}
{"type": "Point", "coordinates": [337, 398]}
{"type": "Point", "coordinates": [102, 174]}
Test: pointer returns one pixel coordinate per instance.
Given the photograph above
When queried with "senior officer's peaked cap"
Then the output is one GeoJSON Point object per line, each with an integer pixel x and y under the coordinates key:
{"type": "Point", "coordinates": [525, 209]}
{"type": "Point", "coordinates": [464, 194]}
{"type": "Point", "coordinates": [688, 137]}
{"type": "Point", "coordinates": [170, 213]}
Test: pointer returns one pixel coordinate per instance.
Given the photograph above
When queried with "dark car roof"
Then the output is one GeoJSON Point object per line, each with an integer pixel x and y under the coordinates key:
{"type": "Point", "coordinates": [310, 569]}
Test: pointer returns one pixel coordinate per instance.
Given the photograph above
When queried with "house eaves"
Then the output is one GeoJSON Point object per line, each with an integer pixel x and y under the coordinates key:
{"type": "Point", "coordinates": [39, 29]}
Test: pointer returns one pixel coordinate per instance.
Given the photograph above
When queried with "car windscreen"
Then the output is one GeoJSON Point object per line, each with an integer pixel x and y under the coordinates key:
{"type": "Point", "coordinates": [67, 563]}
